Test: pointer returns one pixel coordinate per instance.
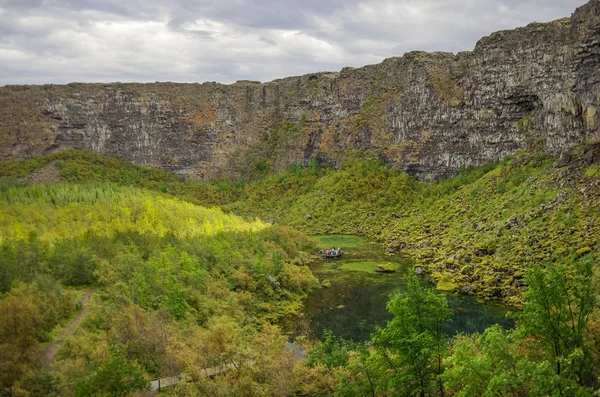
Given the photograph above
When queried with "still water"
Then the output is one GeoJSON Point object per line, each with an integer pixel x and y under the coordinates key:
{"type": "Point", "coordinates": [355, 304]}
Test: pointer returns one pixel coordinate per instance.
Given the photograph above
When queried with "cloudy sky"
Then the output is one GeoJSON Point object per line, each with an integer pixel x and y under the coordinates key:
{"type": "Point", "coordinates": [61, 41]}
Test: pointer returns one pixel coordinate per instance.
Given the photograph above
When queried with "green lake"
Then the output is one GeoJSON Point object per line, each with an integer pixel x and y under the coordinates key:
{"type": "Point", "coordinates": [355, 304]}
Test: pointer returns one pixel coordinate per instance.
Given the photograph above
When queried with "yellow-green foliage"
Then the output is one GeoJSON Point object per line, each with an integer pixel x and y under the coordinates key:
{"type": "Point", "coordinates": [55, 212]}
{"type": "Point", "coordinates": [446, 285]}
{"type": "Point", "coordinates": [28, 312]}
{"type": "Point", "coordinates": [387, 267]}
{"type": "Point", "coordinates": [583, 251]}
{"type": "Point", "coordinates": [480, 228]}
{"type": "Point", "coordinates": [182, 287]}
{"type": "Point", "coordinates": [172, 279]}
{"type": "Point", "coordinates": [593, 171]}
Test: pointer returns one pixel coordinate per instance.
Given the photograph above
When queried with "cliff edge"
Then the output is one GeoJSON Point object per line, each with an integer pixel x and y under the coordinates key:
{"type": "Point", "coordinates": [429, 114]}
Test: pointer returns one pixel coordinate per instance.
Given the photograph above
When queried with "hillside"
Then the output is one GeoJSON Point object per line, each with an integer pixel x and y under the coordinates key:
{"type": "Point", "coordinates": [475, 233]}
{"type": "Point", "coordinates": [181, 287]}
{"type": "Point", "coordinates": [178, 287]}
{"type": "Point", "coordinates": [427, 114]}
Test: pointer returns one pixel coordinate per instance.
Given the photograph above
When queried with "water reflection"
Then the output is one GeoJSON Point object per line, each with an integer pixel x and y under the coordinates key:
{"type": "Point", "coordinates": [356, 302]}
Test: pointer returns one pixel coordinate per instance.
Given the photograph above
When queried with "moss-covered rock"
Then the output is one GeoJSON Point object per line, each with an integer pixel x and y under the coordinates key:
{"type": "Point", "coordinates": [446, 285]}
{"type": "Point", "coordinates": [582, 251]}
{"type": "Point", "coordinates": [386, 268]}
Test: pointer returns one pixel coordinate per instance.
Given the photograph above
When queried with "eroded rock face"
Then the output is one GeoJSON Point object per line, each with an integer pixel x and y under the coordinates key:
{"type": "Point", "coordinates": [428, 114]}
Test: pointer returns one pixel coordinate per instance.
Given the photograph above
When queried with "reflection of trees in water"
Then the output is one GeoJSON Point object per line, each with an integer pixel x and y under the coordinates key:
{"type": "Point", "coordinates": [472, 316]}
{"type": "Point", "coordinates": [364, 303]}
{"type": "Point", "coordinates": [364, 297]}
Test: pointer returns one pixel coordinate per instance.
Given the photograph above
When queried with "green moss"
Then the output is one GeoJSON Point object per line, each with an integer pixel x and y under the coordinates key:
{"type": "Point", "coordinates": [342, 241]}
{"type": "Point", "coordinates": [366, 266]}
{"type": "Point", "coordinates": [593, 171]}
{"type": "Point", "coordinates": [386, 268]}
{"type": "Point", "coordinates": [446, 285]}
{"type": "Point", "coordinates": [525, 124]}
{"type": "Point", "coordinates": [583, 251]}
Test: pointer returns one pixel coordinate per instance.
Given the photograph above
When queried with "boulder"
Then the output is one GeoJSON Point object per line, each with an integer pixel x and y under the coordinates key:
{"type": "Point", "coordinates": [395, 246]}
{"type": "Point", "coordinates": [419, 270]}
{"type": "Point", "coordinates": [565, 158]}
{"type": "Point", "coordinates": [466, 289]}
{"type": "Point", "coordinates": [386, 268]}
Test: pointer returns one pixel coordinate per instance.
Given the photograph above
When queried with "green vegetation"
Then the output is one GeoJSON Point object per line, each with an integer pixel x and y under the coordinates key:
{"type": "Point", "coordinates": [341, 241]}
{"type": "Point", "coordinates": [172, 278]}
{"type": "Point", "coordinates": [386, 268]}
{"type": "Point", "coordinates": [552, 351]}
{"type": "Point", "coordinates": [525, 124]}
{"type": "Point", "coordinates": [593, 171]}
{"type": "Point", "coordinates": [361, 266]}
{"type": "Point", "coordinates": [491, 221]}
{"type": "Point", "coordinates": [182, 285]}
{"type": "Point", "coordinates": [413, 344]}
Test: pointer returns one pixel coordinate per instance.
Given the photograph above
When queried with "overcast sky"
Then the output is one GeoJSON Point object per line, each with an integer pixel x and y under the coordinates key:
{"type": "Point", "coordinates": [61, 41]}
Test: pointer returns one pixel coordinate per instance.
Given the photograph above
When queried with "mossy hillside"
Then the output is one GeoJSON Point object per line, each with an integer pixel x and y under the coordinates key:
{"type": "Point", "coordinates": [481, 238]}
{"type": "Point", "coordinates": [475, 233]}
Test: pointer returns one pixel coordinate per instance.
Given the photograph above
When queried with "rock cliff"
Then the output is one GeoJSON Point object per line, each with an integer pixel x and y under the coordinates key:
{"type": "Point", "coordinates": [429, 114]}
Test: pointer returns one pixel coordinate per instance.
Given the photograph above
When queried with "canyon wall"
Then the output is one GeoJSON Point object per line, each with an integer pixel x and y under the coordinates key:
{"type": "Point", "coordinates": [429, 114]}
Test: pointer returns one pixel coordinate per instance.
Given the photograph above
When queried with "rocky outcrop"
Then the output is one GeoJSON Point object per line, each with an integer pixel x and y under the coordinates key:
{"type": "Point", "coordinates": [428, 114]}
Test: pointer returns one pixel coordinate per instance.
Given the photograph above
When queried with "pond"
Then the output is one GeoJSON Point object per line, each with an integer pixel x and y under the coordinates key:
{"type": "Point", "coordinates": [355, 304]}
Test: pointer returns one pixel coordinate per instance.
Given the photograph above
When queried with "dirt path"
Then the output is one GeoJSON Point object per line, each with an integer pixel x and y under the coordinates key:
{"type": "Point", "coordinates": [48, 355]}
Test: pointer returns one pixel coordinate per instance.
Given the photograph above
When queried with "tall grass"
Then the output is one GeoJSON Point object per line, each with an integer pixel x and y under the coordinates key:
{"type": "Point", "coordinates": [15, 193]}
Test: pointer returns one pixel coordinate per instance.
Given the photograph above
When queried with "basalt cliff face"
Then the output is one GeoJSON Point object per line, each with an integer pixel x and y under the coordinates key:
{"type": "Point", "coordinates": [428, 114]}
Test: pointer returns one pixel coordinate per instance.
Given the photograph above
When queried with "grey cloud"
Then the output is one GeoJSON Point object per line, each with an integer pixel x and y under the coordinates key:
{"type": "Point", "coordinates": [268, 40]}
{"type": "Point", "coordinates": [57, 41]}
{"type": "Point", "coordinates": [20, 4]}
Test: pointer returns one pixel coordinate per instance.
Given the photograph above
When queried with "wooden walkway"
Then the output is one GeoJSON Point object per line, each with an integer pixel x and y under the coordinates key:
{"type": "Point", "coordinates": [162, 383]}
{"type": "Point", "coordinates": [158, 384]}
